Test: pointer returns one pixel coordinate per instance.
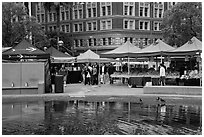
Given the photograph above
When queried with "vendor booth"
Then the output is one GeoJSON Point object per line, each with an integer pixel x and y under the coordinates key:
{"type": "Point", "coordinates": [25, 70]}
{"type": "Point", "coordinates": [159, 52]}
{"type": "Point", "coordinates": [24, 51]}
{"type": "Point", "coordinates": [57, 56]}
{"type": "Point", "coordinates": [122, 51]}
{"type": "Point", "coordinates": [86, 57]}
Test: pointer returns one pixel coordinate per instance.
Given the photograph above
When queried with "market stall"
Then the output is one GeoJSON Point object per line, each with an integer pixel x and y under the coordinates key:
{"type": "Point", "coordinates": [136, 77]}
{"type": "Point", "coordinates": [57, 56]}
{"type": "Point", "coordinates": [24, 51]}
{"type": "Point", "coordinates": [86, 57]}
{"type": "Point", "coordinates": [18, 62]}
{"type": "Point", "coordinates": [191, 49]}
{"type": "Point", "coordinates": [122, 51]}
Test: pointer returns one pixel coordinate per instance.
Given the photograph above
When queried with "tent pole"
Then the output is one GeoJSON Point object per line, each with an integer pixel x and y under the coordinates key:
{"type": "Point", "coordinates": [128, 65]}
{"type": "Point", "coordinates": [161, 58]}
{"type": "Point", "coordinates": [99, 76]}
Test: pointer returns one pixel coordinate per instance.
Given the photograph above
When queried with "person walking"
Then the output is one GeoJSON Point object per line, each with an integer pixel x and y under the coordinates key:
{"type": "Point", "coordinates": [162, 70]}
{"type": "Point", "coordinates": [63, 71]}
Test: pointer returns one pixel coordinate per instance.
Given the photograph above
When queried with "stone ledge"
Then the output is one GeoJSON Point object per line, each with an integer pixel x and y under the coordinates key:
{"type": "Point", "coordinates": [178, 90]}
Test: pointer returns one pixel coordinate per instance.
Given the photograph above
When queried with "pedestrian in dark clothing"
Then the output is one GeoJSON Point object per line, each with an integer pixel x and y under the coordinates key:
{"type": "Point", "coordinates": [87, 73]}
{"type": "Point", "coordinates": [125, 70]}
{"type": "Point", "coordinates": [95, 75]}
{"type": "Point", "coordinates": [63, 71]}
{"type": "Point", "coordinates": [111, 70]}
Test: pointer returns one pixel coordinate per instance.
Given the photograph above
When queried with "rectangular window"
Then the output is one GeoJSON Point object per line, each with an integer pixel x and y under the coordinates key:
{"type": "Point", "coordinates": [81, 42]}
{"type": "Point", "coordinates": [90, 42]}
{"type": "Point", "coordinates": [89, 13]}
{"type": "Point", "coordinates": [141, 11]}
{"type": "Point", "coordinates": [80, 27]}
{"type": "Point", "coordinates": [50, 15]}
{"type": "Point", "coordinates": [155, 26]}
{"type": "Point", "coordinates": [146, 26]}
{"type": "Point", "coordinates": [160, 13]}
{"type": "Point", "coordinates": [144, 9]}
{"type": "Point", "coordinates": [141, 25]}
{"type": "Point", "coordinates": [94, 12]}
{"type": "Point", "coordinates": [104, 41]}
{"type": "Point", "coordinates": [63, 28]}
{"type": "Point", "coordinates": [109, 24]}
{"type": "Point", "coordinates": [103, 11]}
{"type": "Point", "coordinates": [94, 42]}
{"type": "Point", "coordinates": [89, 26]}
{"type": "Point", "coordinates": [109, 41]}
{"type": "Point", "coordinates": [131, 24]}
{"type": "Point", "coordinates": [67, 28]}
{"type": "Point", "coordinates": [146, 41]}
{"type": "Point", "coordinates": [62, 13]}
{"type": "Point", "coordinates": [155, 12]}
{"type": "Point", "coordinates": [75, 27]}
{"type": "Point", "coordinates": [43, 17]}
{"type": "Point", "coordinates": [109, 10]}
{"type": "Point", "coordinates": [131, 11]}
{"type": "Point", "coordinates": [126, 24]}
{"type": "Point", "coordinates": [159, 26]}
{"type": "Point", "coordinates": [126, 10]}
{"type": "Point", "coordinates": [54, 17]}
{"type": "Point", "coordinates": [106, 24]}
{"type": "Point", "coordinates": [105, 8]}
{"type": "Point", "coordinates": [67, 15]}
{"type": "Point", "coordinates": [103, 24]}
{"type": "Point", "coordinates": [146, 12]}
{"type": "Point", "coordinates": [75, 14]}
{"type": "Point", "coordinates": [94, 25]}
{"type": "Point", "coordinates": [55, 28]}
{"type": "Point", "coordinates": [80, 14]}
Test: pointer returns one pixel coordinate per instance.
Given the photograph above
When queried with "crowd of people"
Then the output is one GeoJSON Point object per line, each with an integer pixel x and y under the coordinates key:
{"type": "Point", "coordinates": [93, 74]}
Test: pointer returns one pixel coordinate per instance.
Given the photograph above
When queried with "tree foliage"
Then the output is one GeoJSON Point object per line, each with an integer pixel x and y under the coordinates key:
{"type": "Point", "coordinates": [18, 25]}
{"type": "Point", "coordinates": [182, 22]}
{"type": "Point", "coordinates": [65, 37]}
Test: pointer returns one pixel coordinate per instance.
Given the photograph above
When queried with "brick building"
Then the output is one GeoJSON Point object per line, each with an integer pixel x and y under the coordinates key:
{"type": "Point", "coordinates": [103, 26]}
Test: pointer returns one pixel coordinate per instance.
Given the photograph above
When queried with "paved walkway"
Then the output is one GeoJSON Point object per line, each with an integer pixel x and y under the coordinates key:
{"type": "Point", "coordinates": [104, 91]}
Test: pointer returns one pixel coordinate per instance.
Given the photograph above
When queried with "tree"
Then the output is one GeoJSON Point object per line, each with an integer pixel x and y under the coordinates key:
{"type": "Point", "coordinates": [182, 22]}
{"type": "Point", "coordinates": [56, 7]}
{"type": "Point", "coordinates": [65, 37]}
{"type": "Point", "coordinates": [18, 25]}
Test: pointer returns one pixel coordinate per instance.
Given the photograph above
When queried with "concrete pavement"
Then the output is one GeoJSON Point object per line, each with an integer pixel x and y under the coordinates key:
{"type": "Point", "coordinates": [105, 92]}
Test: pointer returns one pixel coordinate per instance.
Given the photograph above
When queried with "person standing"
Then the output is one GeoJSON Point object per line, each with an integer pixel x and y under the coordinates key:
{"type": "Point", "coordinates": [87, 75]}
{"type": "Point", "coordinates": [63, 71]}
{"type": "Point", "coordinates": [102, 73]}
{"type": "Point", "coordinates": [95, 75]}
{"type": "Point", "coordinates": [111, 70]}
{"type": "Point", "coordinates": [162, 70]}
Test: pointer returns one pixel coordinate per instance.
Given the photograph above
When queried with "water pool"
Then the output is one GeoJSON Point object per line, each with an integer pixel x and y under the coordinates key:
{"type": "Point", "coordinates": [81, 117]}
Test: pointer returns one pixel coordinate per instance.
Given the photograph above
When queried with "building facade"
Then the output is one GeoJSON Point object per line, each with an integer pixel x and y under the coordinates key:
{"type": "Point", "coordinates": [103, 26]}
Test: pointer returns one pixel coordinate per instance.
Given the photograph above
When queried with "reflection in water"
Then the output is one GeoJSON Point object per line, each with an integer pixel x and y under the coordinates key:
{"type": "Point", "coordinates": [78, 117]}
